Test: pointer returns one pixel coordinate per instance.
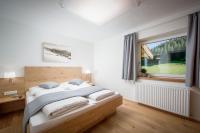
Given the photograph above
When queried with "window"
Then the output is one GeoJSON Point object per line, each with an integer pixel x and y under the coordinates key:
{"type": "Point", "coordinates": [164, 58]}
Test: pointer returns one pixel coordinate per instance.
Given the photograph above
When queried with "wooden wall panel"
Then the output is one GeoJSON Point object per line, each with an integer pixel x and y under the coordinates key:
{"type": "Point", "coordinates": [18, 84]}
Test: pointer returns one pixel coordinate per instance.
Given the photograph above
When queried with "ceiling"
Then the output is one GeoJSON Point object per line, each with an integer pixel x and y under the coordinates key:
{"type": "Point", "coordinates": [98, 11]}
{"type": "Point", "coordinates": [91, 20]}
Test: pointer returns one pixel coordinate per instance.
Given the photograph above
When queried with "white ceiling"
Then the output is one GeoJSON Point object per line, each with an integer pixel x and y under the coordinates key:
{"type": "Point", "coordinates": [67, 21]}
{"type": "Point", "coordinates": [98, 11]}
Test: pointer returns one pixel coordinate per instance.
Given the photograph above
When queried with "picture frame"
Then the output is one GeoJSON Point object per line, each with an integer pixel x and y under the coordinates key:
{"type": "Point", "coordinates": [56, 53]}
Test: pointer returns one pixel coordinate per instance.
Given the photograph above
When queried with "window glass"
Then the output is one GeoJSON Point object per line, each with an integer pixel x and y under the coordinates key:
{"type": "Point", "coordinates": [166, 57]}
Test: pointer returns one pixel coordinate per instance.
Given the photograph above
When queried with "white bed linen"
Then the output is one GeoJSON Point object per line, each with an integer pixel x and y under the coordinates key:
{"type": "Point", "coordinates": [74, 87]}
{"type": "Point", "coordinates": [38, 91]}
{"type": "Point", "coordinates": [29, 97]}
{"type": "Point", "coordinates": [40, 122]}
{"type": "Point", "coordinates": [97, 96]}
{"type": "Point", "coordinates": [61, 107]}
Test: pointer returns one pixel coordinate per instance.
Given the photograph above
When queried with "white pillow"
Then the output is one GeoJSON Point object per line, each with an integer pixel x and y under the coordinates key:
{"type": "Point", "coordinates": [74, 87]}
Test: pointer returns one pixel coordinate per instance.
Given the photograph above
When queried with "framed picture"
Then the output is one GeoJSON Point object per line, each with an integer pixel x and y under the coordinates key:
{"type": "Point", "coordinates": [56, 53]}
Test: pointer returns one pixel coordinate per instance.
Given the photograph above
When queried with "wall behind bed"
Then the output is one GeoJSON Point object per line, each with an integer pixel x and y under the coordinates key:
{"type": "Point", "coordinates": [20, 45]}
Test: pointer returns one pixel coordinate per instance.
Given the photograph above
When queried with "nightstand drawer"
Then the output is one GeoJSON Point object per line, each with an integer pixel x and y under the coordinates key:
{"type": "Point", "coordinates": [11, 106]}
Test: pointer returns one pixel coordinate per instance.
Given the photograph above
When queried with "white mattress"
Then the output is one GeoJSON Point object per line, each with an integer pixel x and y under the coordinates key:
{"type": "Point", "coordinates": [40, 122]}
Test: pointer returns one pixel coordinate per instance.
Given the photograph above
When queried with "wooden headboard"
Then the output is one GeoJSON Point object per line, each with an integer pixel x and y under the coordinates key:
{"type": "Point", "coordinates": [36, 75]}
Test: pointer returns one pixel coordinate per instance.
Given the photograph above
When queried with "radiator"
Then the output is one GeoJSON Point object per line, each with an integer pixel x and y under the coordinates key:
{"type": "Point", "coordinates": [171, 98]}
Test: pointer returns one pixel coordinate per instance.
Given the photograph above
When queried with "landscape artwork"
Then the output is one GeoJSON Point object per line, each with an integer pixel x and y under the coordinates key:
{"type": "Point", "coordinates": [164, 57]}
{"type": "Point", "coordinates": [56, 53]}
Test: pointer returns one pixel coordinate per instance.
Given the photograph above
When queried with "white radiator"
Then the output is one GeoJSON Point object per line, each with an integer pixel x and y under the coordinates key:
{"type": "Point", "coordinates": [172, 98]}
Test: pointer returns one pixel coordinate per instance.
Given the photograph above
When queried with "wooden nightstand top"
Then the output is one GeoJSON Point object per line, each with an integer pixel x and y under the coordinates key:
{"type": "Point", "coordinates": [11, 104]}
{"type": "Point", "coordinates": [6, 99]}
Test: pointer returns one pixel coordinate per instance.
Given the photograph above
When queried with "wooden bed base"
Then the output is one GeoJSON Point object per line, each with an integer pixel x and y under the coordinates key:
{"type": "Point", "coordinates": [85, 121]}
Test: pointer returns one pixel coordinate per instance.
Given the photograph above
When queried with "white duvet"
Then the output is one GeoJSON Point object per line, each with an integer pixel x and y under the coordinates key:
{"type": "Point", "coordinates": [74, 87]}
{"type": "Point", "coordinates": [59, 108]}
{"type": "Point", "coordinates": [37, 91]}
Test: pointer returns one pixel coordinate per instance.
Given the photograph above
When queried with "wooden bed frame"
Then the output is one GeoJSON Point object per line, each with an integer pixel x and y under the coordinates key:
{"type": "Point", "coordinates": [35, 75]}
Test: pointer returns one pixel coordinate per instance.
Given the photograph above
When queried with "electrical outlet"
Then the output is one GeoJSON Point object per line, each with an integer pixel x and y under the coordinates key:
{"type": "Point", "coordinates": [8, 93]}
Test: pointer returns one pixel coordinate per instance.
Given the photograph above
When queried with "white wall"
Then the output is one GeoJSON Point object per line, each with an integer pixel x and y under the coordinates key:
{"type": "Point", "coordinates": [108, 56]}
{"type": "Point", "coordinates": [172, 27]}
{"type": "Point", "coordinates": [21, 45]}
{"type": "Point", "coordinates": [108, 66]}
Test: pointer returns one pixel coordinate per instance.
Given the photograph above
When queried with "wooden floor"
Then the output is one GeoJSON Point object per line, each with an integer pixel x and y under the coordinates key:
{"type": "Point", "coordinates": [129, 118]}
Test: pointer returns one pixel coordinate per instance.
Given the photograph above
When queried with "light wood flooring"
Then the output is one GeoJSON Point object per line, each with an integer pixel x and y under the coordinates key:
{"type": "Point", "coordinates": [129, 118]}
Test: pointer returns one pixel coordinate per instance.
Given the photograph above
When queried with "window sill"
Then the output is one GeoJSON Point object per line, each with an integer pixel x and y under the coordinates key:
{"type": "Point", "coordinates": [163, 79]}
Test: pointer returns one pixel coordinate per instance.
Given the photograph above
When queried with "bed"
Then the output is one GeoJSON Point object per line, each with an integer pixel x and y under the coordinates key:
{"type": "Point", "coordinates": [78, 120]}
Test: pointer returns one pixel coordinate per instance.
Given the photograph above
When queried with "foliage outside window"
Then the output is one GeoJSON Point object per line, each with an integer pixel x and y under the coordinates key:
{"type": "Point", "coordinates": [166, 57]}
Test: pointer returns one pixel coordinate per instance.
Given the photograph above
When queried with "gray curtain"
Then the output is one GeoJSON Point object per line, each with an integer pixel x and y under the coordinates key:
{"type": "Point", "coordinates": [129, 57]}
{"type": "Point", "coordinates": [193, 51]}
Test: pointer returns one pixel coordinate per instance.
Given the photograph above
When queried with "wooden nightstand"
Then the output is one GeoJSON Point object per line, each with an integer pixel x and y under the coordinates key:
{"type": "Point", "coordinates": [10, 104]}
